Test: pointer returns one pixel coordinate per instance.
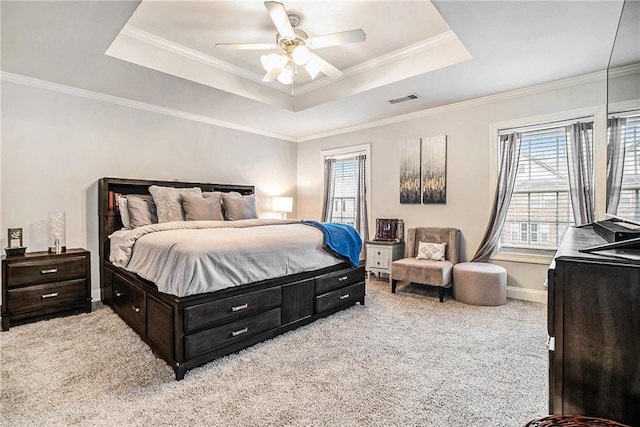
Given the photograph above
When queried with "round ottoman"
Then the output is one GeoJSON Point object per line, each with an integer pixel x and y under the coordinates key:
{"type": "Point", "coordinates": [480, 283]}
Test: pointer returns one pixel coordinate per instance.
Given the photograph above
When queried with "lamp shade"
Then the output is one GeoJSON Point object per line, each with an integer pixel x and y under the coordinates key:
{"type": "Point", "coordinates": [282, 204]}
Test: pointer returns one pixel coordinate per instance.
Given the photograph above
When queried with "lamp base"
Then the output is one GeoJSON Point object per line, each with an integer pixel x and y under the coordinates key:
{"type": "Point", "coordinates": [57, 249]}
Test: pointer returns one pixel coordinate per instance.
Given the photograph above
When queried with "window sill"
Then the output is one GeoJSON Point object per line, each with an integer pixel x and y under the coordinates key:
{"type": "Point", "coordinates": [524, 257]}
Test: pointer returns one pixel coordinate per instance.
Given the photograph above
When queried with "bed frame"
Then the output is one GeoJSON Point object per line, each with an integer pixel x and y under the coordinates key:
{"type": "Point", "coordinates": [191, 331]}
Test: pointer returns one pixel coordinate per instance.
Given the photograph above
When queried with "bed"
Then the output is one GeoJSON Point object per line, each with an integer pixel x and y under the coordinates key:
{"type": "Point", "coordinates": [191, 325]}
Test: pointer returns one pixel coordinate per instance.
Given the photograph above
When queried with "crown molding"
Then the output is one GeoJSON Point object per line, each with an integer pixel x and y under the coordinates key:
{"type": "Point", "coordinates": [178, 49]}
{"type": "Point", "coordinates": [395, 56]}
{"type": "Point", "coordinates": [546, 87]}
{"type": "Point", "coordinates": [533, 90]}
{"type": "Point", "coordinates": [96, 96]}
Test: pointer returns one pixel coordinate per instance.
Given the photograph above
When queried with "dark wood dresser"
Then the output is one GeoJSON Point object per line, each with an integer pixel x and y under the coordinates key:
{"type": "Point", "coordinates": [594, 330]}
{"type": "Point", "coordinates": [41, 283]}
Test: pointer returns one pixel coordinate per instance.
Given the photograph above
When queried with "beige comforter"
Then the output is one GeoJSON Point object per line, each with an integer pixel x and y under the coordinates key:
{"type": "Point", "coordinates": [192, 257]}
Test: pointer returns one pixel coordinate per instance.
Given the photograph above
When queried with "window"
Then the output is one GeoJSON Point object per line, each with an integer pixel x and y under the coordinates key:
{"type": "Point", "coordinates": [346, 181]}
{"type": "Point", "coordinates": [629, 206]}
{"type": "Point", "coordinates": [345, 191]}
{"type": "Point", "coordinates": [540, 204]}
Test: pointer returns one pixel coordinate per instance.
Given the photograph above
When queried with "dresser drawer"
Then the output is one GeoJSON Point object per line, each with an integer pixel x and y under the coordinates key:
{"type": "Point", "coordinates": [130, 302]}
{"type": "Point", "coordinates": [46, 295]}
{"type": "Point", "coordinates": [45, 270]}
{"type": "Point", "coordinates": [339, 279]}
{"type": "Point", "coordinates": [221, 336]}
{"type": "Point", "coordinates": [346, 295]}
{"type": "Point", "coordinates": [230, 309]}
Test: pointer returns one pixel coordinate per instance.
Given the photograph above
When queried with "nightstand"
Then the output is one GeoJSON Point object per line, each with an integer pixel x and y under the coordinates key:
{"type": "Point", "coordinates": [42, 283]}
{"type": "Point", "coordinates": [380, 254]}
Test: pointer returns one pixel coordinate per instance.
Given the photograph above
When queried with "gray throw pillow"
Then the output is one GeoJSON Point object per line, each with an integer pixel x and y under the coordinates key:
{"type": "Point", "coordinates": [237, 206]}
{"type": "Point", "coordinates": [142, 211]}
{"type": "Point", "coordinates": [197, 208]}
{"type": "Point", "coordinates": [168, 201]}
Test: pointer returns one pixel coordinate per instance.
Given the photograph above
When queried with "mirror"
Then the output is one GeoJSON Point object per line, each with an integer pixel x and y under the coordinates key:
{"type": "Point", "coordinates": [623, 107]}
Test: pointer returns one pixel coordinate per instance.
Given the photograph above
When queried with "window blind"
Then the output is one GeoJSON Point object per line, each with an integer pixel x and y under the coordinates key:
{"type": "Point", "coordinates": [629, 206]}
{"type": "Point", "coordinates": [345, 191]}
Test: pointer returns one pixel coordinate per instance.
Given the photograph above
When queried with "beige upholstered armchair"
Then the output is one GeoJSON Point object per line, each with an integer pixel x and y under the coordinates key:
{"type": "Point", "coordinates": [428, 271]}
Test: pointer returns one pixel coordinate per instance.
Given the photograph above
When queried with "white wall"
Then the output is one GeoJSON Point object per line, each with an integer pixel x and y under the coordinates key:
{"type": "Point", "coordinates": [469, 193]}
{"type": "Point", "coordinates": [56, 146]}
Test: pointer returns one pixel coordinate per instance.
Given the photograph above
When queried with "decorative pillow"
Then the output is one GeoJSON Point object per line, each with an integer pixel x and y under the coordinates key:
{"type": "Point", "coordinates": [237, 206]}
{"type": "Point", "coordinates": [142, 211]}
{"type": "Point", "coordinates": [124, 211]}
{"type": "Point", "coordinates": [197, 208]}
{"type": "Point", "coordinates": [434, 251]}
{"type": "Point", "coordinates": [213, 194]}
{"type": "Point", "coordinates": [168, 201]}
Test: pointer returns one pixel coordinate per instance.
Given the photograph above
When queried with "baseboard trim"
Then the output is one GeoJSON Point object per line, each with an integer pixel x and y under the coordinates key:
{"type": "Point", "coordinates": [525, 294]}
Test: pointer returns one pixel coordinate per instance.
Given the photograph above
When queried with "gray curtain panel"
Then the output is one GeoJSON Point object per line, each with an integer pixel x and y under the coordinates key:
{"type": "Point", "coordinates": [509, 156]}
{"type": "Point", "coordinates": [327, 202]}
{"type": "Point", "coordinates": [361, 198]}
{"type": "Point", "coordinates": [580, 162]}
{"type": "Point", "coordinates": [615, 162]}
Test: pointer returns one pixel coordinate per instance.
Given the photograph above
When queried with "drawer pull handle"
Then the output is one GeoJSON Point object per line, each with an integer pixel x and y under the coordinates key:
{"type": "Point", "coordinates": [239, 332]}
{"type": "Point", "coordinates": [378, 252]}
{"type": "Point", "coordinates": [118, 293]}
{"type": "Point", "coordinates": [51, 295]}
{"type": "Point", "coordinates": [345, 296]}
{"type": "Point", "coordinates": [340, 279]}
{"type": "Point", "coordinates": [50, 271]}
{"type": "Point", "coordinates": [135, 308]}
{"type": "Point", "coordinates": [240, 307]}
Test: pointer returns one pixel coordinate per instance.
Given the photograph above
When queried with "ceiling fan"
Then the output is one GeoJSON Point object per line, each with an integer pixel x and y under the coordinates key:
{"type": "Point", "coordinates": [296, 45]}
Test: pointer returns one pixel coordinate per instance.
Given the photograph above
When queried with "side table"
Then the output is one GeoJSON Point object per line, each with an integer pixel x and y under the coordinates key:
{"type": "Point", "coordinates": [381, 254]}
{"type": "Point", "coordinates": [42, 283]}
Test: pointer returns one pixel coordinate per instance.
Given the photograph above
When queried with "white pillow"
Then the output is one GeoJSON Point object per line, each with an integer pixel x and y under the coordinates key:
{"type": "Point", "coordinates": [433, 251]}
{"type": "Point", "coordinates": [124, 212]}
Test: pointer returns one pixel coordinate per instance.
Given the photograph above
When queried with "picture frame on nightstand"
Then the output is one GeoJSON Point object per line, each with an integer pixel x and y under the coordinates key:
{"type": "Point", "coordinates": [389, 230]}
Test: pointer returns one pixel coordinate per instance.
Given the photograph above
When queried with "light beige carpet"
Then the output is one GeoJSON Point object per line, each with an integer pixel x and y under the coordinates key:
{"type": "Point", "coordinates": [402, 359]}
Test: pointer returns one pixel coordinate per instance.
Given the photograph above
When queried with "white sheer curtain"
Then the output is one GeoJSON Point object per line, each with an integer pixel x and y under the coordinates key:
{"type": "Point", "coordinates": [615, 162]}
{"type": "Point", "coordinates": [509, 156]}
{"type": "Point", "coordinates": [580, 162]}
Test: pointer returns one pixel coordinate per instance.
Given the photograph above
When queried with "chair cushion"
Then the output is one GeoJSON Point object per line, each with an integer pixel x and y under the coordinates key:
{"type": "Point", "coordinates": [425, 271]}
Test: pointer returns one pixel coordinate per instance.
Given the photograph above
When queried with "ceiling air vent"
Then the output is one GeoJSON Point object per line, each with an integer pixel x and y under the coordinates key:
{"type": "Point", "coordinates": [404, 98]}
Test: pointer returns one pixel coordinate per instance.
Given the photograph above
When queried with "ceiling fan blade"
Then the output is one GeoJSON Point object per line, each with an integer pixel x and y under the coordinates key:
{"type": "Point", "coordinates": [324, 66]}
{"type": "Point", "coordinates": [280, 18]}
{"type": "Point", "coordinates": [246, 46]}
{"type": "Point", "coordinates": [344, 37]}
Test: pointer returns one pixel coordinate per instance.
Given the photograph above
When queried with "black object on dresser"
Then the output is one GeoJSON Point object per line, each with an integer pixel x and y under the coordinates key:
{"type": "Point", "coordinates": [594, 330]}
{"type": "Point", "coordinates": [42, 283]}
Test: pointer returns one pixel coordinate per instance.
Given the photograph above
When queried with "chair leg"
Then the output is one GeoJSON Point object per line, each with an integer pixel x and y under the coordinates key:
{"type": "Point", "coordinates": [394, 283]}
{"type": "Point", "coordinates": [441, 290]}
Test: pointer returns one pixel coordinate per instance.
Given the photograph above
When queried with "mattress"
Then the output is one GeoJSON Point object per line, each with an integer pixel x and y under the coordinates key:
{"type": "Point", "coordinates": [191, 257]}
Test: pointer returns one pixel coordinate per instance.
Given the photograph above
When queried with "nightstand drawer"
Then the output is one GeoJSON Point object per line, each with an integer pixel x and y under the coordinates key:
{"type": "Point", "coordinates": [346, 295]}
{"type": "Point", "coordinates": [45, 271]}
{"type": "Point", "coordinates": [46, 295]}
{"type": "Point", "coordinates": [379, 262]}
{"type": "Point", "coordinates": [339, 279]}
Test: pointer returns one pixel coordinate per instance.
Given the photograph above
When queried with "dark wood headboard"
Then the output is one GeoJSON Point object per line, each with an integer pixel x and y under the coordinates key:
{"type": "Point", "coordinates": [109, 218]}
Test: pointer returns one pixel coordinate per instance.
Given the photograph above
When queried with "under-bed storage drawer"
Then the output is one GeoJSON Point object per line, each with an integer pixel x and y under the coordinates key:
{"type": "Point", "coordinates": [229, 309]}
{"type": "Point", "coordinates": [338, 279]}
{"type": "Point", "coordinates": [130, 302]}
{"type": "Point", "coordinates": [221, 336]}
{"type": "Point", "coordinates": [343, 296]}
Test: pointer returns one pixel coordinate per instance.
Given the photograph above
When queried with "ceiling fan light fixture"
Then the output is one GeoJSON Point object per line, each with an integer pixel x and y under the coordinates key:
{"type": "Point", "coordinates": [300, 55]}
{"type": "Point", "coordinates": [271, 61]}
{"type": "Point", "coordinates": [286, 76]}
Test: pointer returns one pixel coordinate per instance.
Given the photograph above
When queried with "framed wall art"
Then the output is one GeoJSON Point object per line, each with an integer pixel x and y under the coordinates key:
{"type": "Point", "coordinates": [423, 170]}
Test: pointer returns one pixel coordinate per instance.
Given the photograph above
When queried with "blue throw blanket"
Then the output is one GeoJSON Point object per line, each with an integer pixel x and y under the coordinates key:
{"type": "Point", "coordinates": [340, 239]}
